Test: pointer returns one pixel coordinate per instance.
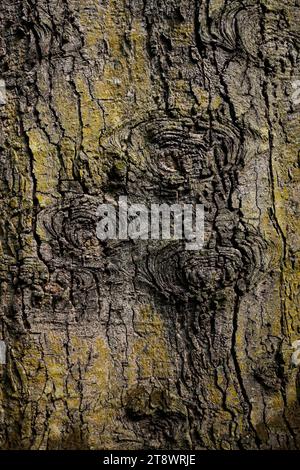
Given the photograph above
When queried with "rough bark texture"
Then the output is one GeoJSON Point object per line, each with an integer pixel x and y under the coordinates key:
{"type": "Point", "coordinates": [132, 345]}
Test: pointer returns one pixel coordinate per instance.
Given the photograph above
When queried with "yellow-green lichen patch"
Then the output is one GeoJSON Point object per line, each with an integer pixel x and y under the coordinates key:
{"type": "Point", "coordinates": [215, 6]}
{"type": "Point", "coordinates": [148, 351]}
{"type": "Point", "coordinates": [45, 166]}
{"type": "Point", "coordinates": [69, 379]}
{"type": "Point", "coordinates": [92, 126]}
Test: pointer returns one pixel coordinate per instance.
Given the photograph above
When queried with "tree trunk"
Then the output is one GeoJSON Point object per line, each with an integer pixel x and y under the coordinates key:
{"type": "Point", "coordinates": [129, 344]}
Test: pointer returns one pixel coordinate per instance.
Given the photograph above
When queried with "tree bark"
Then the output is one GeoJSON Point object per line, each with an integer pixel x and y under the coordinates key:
{"type": "Point", "coordinates": [135, 344]}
